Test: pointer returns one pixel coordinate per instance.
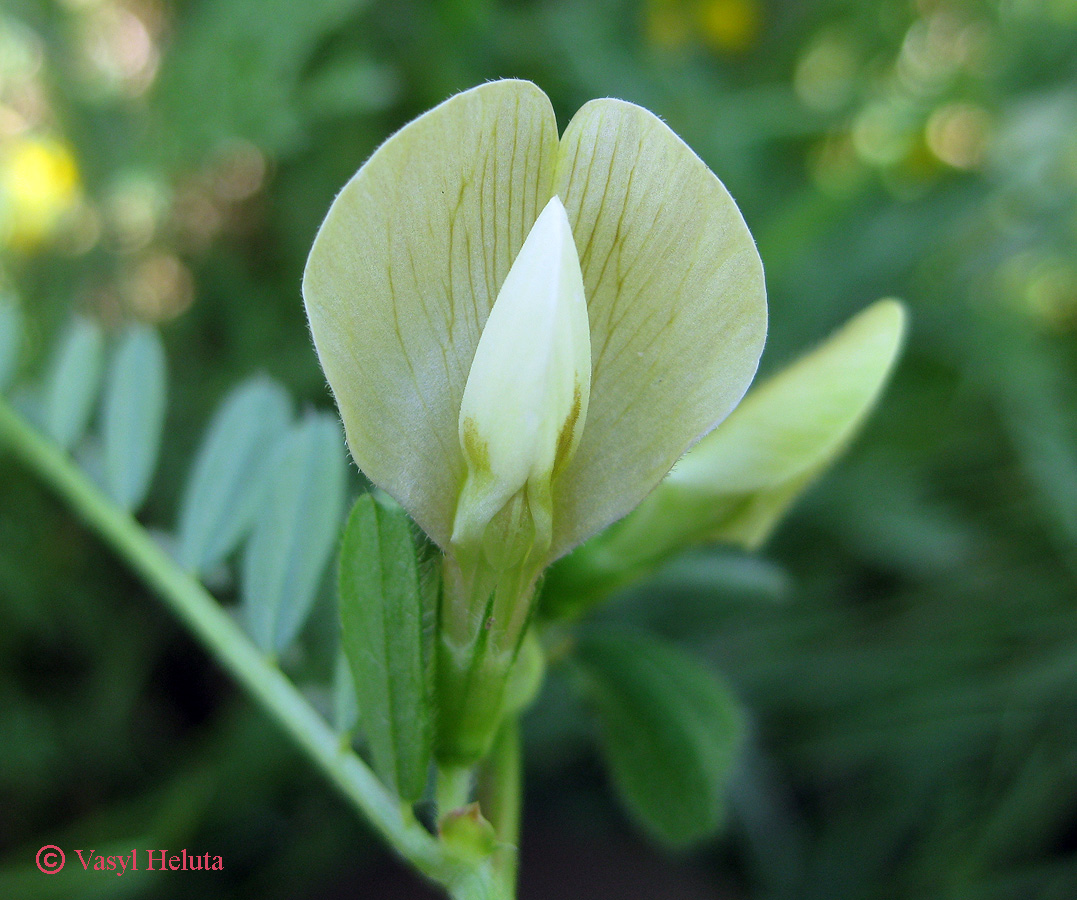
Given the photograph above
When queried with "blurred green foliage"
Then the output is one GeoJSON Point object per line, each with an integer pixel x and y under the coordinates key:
{"type": "Point", "coordinates": [906, 648]}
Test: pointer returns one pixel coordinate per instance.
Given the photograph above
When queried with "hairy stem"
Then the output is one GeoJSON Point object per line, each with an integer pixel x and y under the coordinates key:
{"type": "Point", "coordinates": [226, 642]}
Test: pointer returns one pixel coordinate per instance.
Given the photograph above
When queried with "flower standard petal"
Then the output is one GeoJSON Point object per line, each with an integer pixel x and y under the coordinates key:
{"type": "Point", "coordinates": [481, 423]}
{"type": "Point", "coordinates": [676, 302]}
{"type": "Point", "coordinates": [404, 271]}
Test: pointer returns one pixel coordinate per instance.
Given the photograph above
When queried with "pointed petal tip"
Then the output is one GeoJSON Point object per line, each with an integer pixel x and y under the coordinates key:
{"type": "Point", "coordinates": [551, 229]}
{"type": "Point", "coordinates": [888, 319]}
{"type": "Point", "coordinates": [889, 309]}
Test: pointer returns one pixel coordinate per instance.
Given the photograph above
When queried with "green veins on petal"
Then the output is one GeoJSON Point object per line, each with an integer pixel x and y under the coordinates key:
{"type": "Point", "coordinates": [415, 249]}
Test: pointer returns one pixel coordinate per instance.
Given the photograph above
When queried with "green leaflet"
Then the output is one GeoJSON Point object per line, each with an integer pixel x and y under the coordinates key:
{"type": "Point", "coordinates": [345, 703]}
{"type": "Point", "coordinates": [72, 382]}
{"type": "Point", "coordinates": [670, 732]}
{"type": "Point", "coordinates": [134, 411]}
{"type": "Point", "coordinates": [226, 485]}
{"type": "Point", "coordinates": [382, 616]}
{"type": "Point", "coordinates": [10, 339]}
{"type": "Point", "coordinates": [294, 533]}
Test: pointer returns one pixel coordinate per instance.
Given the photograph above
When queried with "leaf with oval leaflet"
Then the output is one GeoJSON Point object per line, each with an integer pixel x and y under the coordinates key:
{"type": "Point", "coordinates": [134, 413]}
{"type": "Point", "coordinates": [227, 481]}
{"type": "Point", "coordinates": [295, 531]}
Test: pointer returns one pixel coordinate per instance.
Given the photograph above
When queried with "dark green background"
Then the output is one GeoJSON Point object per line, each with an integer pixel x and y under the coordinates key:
{"type": "Point", "coordinates": [905, 648]}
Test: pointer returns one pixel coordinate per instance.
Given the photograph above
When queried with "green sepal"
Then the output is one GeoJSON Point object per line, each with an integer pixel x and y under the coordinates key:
{"type": "Point", "coordinates": [526, 675]}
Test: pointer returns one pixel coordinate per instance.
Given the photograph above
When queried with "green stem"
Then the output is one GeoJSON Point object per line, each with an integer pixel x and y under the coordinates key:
{"type": "Point", "coordinates": [220, 635]}
{"type": "Point", "coordinates": [500, 798]}
{"type": "Point", "coordinates": [453, 788]}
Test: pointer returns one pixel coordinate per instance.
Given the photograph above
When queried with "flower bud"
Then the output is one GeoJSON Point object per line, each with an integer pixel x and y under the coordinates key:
{"type": "Point", "coordinates": [521, 417]}
{"type": "Point", "coordinates": [526, 396]}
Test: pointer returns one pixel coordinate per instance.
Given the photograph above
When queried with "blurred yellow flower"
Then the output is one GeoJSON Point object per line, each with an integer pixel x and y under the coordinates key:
{"type": "Point", "coordinates": [726, 26]}
{"type": "Point", "coordinates": [730, 26]}
{"type": "Point", "coordinates": [39, 185]}
{"type": "Point", "coordinates": [667, 24]}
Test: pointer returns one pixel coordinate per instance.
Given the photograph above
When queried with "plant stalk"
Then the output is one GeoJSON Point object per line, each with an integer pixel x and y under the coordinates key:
{"type": "Point", "coordinates": [452, 789]}
{"type": "Point", "coordinates": [499, 793]}
{"type": "Point", "coordinates": [225, 641]}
